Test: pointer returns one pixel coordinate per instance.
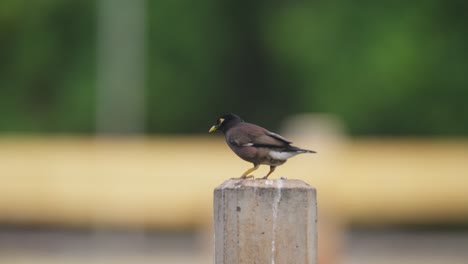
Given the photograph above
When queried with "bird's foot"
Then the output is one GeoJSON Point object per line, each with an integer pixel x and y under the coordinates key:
{"type": "Point", "coordinates": [243, 177]}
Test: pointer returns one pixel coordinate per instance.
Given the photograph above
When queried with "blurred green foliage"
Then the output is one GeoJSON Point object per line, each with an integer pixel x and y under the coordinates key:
{"type": "Point", "coordinates": [47, 66]}
{"type": "Point", "coordinates": [394, 68]}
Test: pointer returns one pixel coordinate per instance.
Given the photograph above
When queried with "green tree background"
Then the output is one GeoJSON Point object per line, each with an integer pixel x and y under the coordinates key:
{"type": "Point", "coordinates": [384, 68]}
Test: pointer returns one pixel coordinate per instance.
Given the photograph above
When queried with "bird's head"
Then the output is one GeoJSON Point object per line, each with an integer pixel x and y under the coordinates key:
{"type": "Point", "coordinates": [225, 122]}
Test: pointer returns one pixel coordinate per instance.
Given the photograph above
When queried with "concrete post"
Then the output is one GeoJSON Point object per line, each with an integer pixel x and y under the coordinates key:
{"type": "Point", "coordinates": [265, 221]}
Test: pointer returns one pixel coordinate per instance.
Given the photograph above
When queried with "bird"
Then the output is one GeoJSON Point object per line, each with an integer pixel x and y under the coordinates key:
{"type": "Point", "coordinates": [255, 144]}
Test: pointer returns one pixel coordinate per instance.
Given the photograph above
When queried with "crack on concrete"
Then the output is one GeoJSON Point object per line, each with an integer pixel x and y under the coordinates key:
{"type": "Point", "coordinates": [275, 216]}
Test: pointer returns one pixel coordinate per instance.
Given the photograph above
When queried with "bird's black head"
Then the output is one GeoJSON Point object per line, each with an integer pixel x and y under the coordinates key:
{"type": "Point", "coordinates": [225, 122]}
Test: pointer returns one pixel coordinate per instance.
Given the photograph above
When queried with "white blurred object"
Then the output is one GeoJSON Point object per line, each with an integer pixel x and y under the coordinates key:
{"type": "Point", "coordinates": [321, 129]}
{"type": "Point", "coordinates": [323, 133]}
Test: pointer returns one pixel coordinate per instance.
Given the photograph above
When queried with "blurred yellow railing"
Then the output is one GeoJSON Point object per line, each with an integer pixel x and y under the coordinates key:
{"type": "Point", "coordinates": [167, 182]}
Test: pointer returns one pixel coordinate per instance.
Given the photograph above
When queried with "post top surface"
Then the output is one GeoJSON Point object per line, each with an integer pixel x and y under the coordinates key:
{"type": "Point", "coordinates": [260, 183]}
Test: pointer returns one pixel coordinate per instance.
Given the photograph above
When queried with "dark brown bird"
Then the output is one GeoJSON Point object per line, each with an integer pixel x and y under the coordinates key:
{"type": "Point", "coordinates": [255, 144]}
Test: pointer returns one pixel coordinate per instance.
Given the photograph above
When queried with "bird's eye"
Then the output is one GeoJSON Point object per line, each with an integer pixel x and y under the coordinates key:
{"type": "Point", "coordinates": [220, 121]}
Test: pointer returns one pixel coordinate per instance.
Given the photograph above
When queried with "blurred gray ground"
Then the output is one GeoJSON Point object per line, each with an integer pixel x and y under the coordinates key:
{"type": "Point", "coordinates": [411, 247]}
{"type": "Point", "coordinates": [100, 246]}
{"type": "Point", "coordinates": [104, 246]}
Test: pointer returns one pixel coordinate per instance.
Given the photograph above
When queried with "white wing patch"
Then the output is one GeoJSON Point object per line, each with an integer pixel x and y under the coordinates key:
{"type": "Point", "coordinates": [278, 155]}
{"type": "Point", "coordinates": [248, 144]}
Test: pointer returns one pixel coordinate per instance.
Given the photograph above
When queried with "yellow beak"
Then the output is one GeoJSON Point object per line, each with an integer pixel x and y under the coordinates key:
{"type": "Point", "coordinates": [212, 129]}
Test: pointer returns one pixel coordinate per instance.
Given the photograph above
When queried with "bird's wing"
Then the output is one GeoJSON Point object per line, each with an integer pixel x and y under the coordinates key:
{"type": "Point", "coordinates": [271, 134]}
{"type": "Point", "coordinates": [248, 134]}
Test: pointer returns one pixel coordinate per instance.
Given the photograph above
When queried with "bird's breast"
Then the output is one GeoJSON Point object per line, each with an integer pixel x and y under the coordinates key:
{"type": "Point", "coordinates": [245, 153]}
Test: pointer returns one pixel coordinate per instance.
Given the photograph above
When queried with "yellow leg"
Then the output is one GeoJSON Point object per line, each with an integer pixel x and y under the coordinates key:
{"type": "Point", "coordinates": [272, 169]}
{"type": "Point", "coordinates": [244, 176]}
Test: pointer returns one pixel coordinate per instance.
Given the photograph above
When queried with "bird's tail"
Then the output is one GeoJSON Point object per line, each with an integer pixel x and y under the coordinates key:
{"type": "Point", "coordinates": [299, 150]}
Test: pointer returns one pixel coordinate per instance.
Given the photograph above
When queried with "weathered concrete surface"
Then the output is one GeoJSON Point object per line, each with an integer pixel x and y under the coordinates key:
{"type": "Point", "coordinates": [265, 221]}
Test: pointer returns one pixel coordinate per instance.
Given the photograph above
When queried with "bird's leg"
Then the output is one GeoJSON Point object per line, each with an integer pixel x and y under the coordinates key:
{"type": "Point", "coordinates": [272, 169]}
{"type": "Point", "coordinates": [244, 175]}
